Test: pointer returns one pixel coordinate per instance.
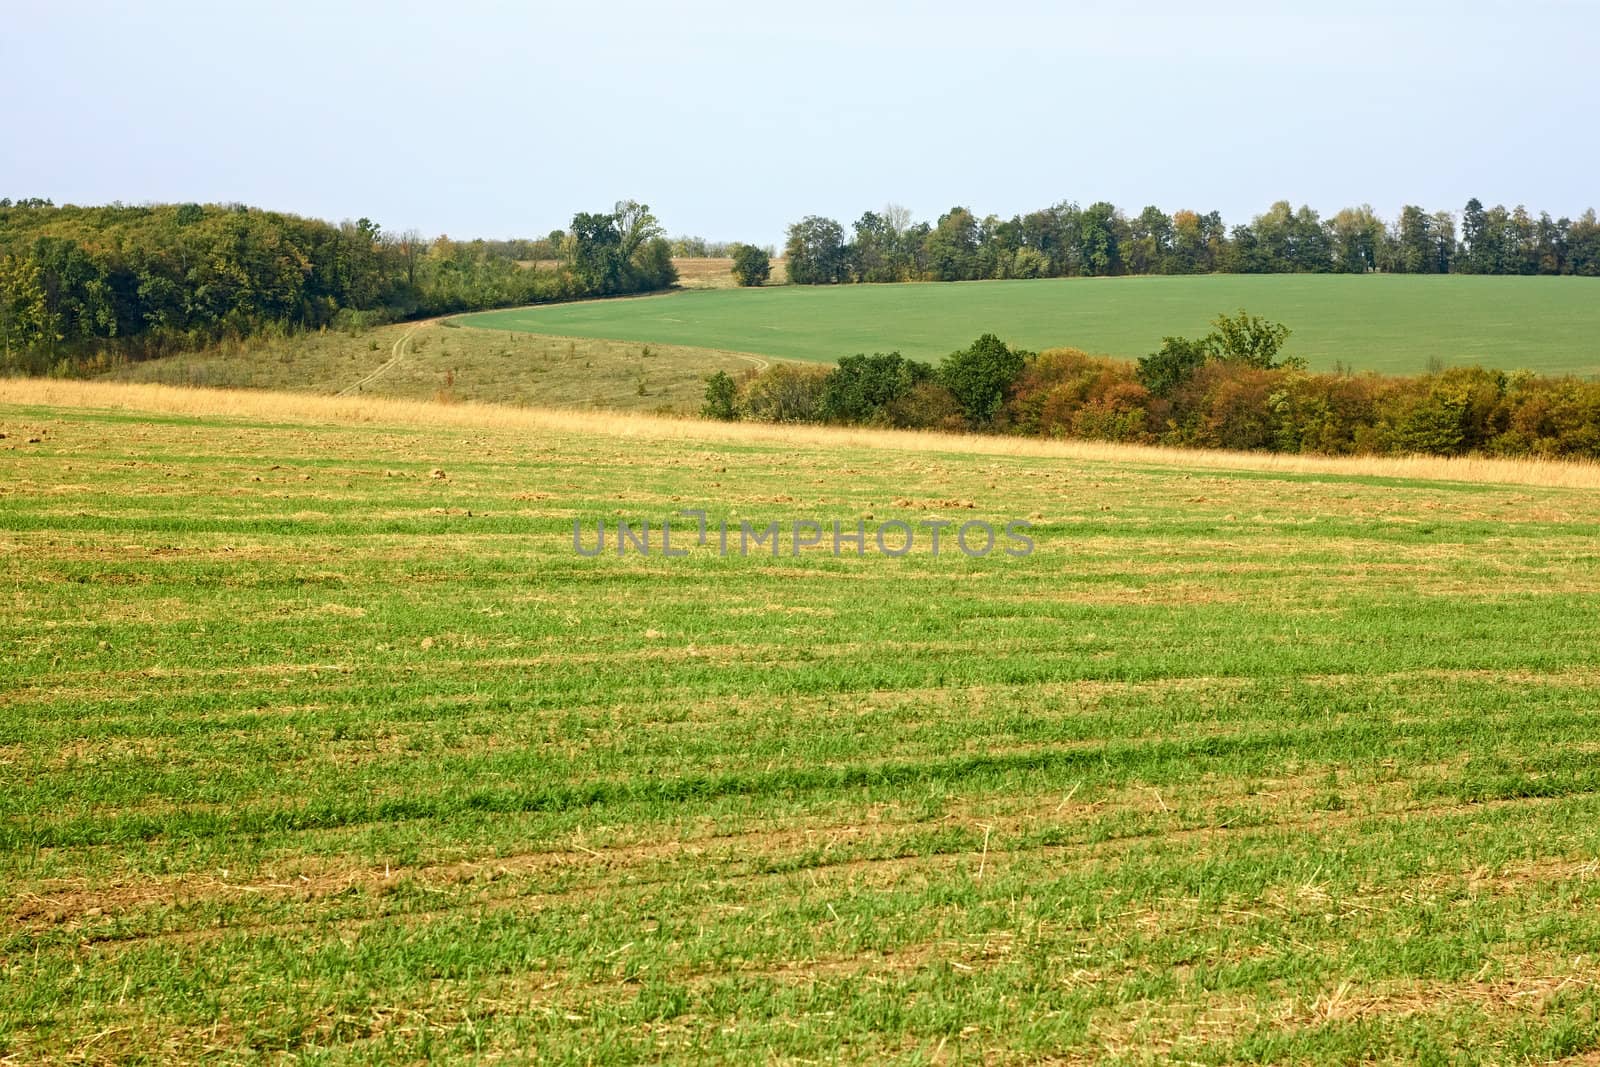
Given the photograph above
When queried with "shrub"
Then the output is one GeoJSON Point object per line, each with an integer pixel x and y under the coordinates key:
{"type": "Point", "coordinates": [721, 398]}
{"type": "Point", "coordinates": [1244, 339]}
{"type": "Point", "coordinates": [1332, 414]}
{"type": "Point", "coordinates": [1117, 413]}
{"type": "Point", "coordinates": [784, 392]}
{"type": "Point", "coordinates": [1550, 417]}
{"type": "Point", "coordinates": [980, 376]}
{"type": "Point", "coordinates": [1247, 339]}
{"type": "Point", "coordinates": [1172, 364]}
{"type": "Point", "coordinates": [861, 387]}
{"type": "Point", "coordinates": [1459, 413]}
{"type": "Point", "coordinates": [1063, 392]}
{"type": "Point", "coordinates": [1231, 407]}
{"type": "Point", "coordinates": [925, 406]}
{"type": "Point", "coordinates": [1030, 263]}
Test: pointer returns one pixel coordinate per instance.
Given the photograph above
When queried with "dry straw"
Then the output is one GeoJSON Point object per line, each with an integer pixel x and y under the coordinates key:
{"type": "Point", "coordinates": [253, 404]}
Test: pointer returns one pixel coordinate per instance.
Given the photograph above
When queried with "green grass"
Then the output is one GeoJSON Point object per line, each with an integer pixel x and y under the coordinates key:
{"type": "Point", "coordinates": [1393, 324]}
{"type": "Point", "coordinates": [310, 756]}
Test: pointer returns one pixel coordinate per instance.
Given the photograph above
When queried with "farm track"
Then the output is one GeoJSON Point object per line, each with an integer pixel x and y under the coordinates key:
{"type": "Point", "coordinates": [396, 353]}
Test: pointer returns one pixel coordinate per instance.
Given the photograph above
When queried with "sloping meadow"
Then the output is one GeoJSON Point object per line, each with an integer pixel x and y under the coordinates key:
{"type": "Point", "coordinates": [320, 740]}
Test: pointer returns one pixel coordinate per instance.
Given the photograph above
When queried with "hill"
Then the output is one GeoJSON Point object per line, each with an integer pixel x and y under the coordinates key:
{"type": "Point", "coordinates": [1390, 323]}
{"type": "Point", "coordinates": [440, 361]}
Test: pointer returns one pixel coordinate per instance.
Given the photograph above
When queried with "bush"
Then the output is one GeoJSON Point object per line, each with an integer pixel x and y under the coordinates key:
{"type": "Point", "coordinates": [861, 388]}
{"type": "Point", "coordinates": [980, 376]}
{"type": "Point", "coordinates": [1236, 411]}
{"type": "Point", "coordinates": [1550, 417]}
{"type": "Point", "coordinates": [925, 406]}
{"type": "Point", "coordinates": [1459, 413]}
{"type": "Point", "coordinates": [1247, 339]}
{"type": "Point", "coordinates": [1330, 414]}
{"type": "Point", "coordinates": [1172, 364]}
{"type": "Point", "coordinates": [1117, 414]}
{"type": "Point", "coordinates": [785, 392]}
{"type": "Point", "coordinates": [652, 266]}
{"type": "Point", "coordinates": [1030, 263]}
{"type": "Point", "coordinates": [1244, 339]}
{"type": "Point", "coordinates": [721, 398]}
{"type": "Point", "coordinates": [1063, 392]}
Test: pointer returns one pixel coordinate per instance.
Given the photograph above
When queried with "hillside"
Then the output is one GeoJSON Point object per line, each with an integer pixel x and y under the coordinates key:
{"type": "Point", "coordinates": [1390, 323]}
{"type": "Point", "coordinates": [440, 361]}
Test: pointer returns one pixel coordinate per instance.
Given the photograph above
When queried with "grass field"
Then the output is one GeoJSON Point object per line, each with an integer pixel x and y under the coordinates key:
{"type": "Point", "coordinates": [440, 361]}
{"type": "Point", "coordinates": [1394, 324]}
{"type": "Point", "coordinates": [319, 744]}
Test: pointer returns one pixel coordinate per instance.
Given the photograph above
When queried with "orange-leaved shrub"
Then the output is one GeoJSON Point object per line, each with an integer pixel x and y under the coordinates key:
{"type": "Point", "coordinates": [1063, 392]}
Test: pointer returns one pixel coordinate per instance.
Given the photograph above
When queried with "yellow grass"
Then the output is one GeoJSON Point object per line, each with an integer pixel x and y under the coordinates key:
{"type": "Point", "coordinates": [694, 272]}
{"type": "Point", "coordinates": [710, 272]}
{"type": "Point", "coordinates": [261, 404]}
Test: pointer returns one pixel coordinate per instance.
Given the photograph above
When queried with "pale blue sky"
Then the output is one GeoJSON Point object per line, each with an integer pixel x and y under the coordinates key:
{"type": "Point", "coordinates": [734, 119]}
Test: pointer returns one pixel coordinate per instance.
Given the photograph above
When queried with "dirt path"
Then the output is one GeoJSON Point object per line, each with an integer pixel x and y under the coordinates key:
{"type": "Point", "coordinates": [396, 354]}
{"type": "Point", "coordinates": [398, 350]}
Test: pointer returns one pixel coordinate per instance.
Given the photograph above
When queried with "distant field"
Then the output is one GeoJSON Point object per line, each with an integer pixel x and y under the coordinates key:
{"type": "Point", "coordinates": [318, 744]}
{"type": "Point", "coordinates": [717, 273]}
{"type": "Point", "coordinates": [1395, 324]}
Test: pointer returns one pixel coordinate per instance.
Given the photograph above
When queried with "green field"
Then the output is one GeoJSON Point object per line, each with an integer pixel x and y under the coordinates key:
{"type": "Point", "coordinates": [1390, 323]}
{"type": "Point", "coordinates": [319, 744]}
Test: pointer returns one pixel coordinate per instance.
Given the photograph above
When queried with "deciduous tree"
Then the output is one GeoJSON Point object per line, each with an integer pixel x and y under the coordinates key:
{"type": "Point", "coordinates": [752, 266]}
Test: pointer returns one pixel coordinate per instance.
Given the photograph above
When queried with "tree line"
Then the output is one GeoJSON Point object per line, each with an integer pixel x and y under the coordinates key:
{"type": "Point", "coordinates": [146, 280]}
{"type": "Point", "coordinates": [1234, 388]}
{"type": "Point", "coordinates": [1070, 241]}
